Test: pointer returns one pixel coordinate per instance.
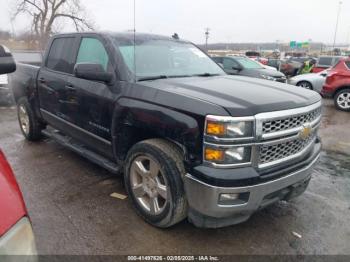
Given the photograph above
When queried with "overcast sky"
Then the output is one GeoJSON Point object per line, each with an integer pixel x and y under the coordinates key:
{"type": "Point", "coordinates": [229, 20]}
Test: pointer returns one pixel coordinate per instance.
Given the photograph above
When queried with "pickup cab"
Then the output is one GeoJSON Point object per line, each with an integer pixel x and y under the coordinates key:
{"type": "Point", "coordinates": [190, 140]}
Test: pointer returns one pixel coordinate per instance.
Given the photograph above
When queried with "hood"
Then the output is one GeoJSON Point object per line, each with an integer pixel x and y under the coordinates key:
{"type": "Point", "coordinates": [239, 95]}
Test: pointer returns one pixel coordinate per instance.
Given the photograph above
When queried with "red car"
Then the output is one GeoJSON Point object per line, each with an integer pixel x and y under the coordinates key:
{"type": "Point", "coordinates": [16, 234]}
{"type": "Point", "coordinates": [337, 85]}
{"type": "Point", "coordinates": [325, 62]}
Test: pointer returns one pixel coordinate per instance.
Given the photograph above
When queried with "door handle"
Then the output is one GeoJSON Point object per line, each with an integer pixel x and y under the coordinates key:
{"type": "Point", "coordinates": [70, 87]}
{"type": "Point", "coordinates": [42, 80]}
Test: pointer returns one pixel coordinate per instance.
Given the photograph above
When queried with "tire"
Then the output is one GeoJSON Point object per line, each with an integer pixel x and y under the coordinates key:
{"type": "Point", "coordinates": [28, 122]}
{"type": "Point", "coordinates": [342, 100]}
{"type": "Point", "coordinates": [171, 204]}
{"type": "Point", "coordinates": [305, 84]}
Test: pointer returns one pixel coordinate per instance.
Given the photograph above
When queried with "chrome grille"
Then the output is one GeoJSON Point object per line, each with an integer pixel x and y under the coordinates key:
{"type": "Point", "coordinates": [271, 153]}
{"type": "Point", "coordinates": [275, 125]}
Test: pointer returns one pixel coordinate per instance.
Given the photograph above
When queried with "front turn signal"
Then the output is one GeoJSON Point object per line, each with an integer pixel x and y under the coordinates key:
{"type": "Point", "coordinates": [217, 129]}
{"type": "Point", "coordinates": [214, 155]}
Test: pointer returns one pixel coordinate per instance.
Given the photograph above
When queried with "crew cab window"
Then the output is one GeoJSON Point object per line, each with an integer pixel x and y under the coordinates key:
{"type": "Point", "coordinates": [229, 63]}
{"type": "Point", "coordinates": [60, 55]}
{"type": "Point", "coordinates": [91, 50]}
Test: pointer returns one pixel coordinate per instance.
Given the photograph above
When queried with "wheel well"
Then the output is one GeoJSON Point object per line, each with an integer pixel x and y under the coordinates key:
{"type": "Point", "coordinates": [340, 89]}
{"type": "Point", "coordinates": [130, 136]}
{"type": "Point", "coordinates": [305, 81]}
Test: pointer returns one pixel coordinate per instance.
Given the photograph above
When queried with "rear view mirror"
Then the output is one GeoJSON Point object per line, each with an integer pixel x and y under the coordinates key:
{"type": "Point", "coordinates": [7, 63]}
{"type": "Point", "coordinates": [92, 71]}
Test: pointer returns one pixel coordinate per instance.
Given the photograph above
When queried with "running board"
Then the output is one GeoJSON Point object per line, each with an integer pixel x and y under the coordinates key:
{"type": "Point", "coordinates": [73, 145]}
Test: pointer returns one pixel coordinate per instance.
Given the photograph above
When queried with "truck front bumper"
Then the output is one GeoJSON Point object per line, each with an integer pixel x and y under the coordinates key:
{"type": "Point", "coordinates": [208, 207]}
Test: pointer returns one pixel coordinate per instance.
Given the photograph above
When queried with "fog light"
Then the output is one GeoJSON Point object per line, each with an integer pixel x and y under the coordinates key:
{"type": "Point", "coordinates": [228, 197]}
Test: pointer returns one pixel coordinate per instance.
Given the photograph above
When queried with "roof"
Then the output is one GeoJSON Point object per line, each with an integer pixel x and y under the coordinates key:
{"type": "Point", "coordinates": [126, 36]}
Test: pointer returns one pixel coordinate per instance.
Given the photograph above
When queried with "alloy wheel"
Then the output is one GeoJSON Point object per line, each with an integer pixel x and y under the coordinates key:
{"type": "Point", "coordinates": [148, 184]}
{"type": "Point", "coordinates": [305, 85]}
{"type": "Point", "coordinates": [23, 119]}
{"type": "Point", "coordinates": [343, 100]}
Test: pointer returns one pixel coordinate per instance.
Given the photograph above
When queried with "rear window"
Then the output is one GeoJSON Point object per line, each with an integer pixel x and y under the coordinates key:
{"type": "Point", "coordinates": [60, 55]}
{"type": "Point", "coordinates": [325, 61]}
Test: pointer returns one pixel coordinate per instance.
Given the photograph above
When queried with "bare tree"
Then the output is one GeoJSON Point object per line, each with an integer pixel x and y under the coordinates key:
{"type": "Point", "coordinates": [48, 15]}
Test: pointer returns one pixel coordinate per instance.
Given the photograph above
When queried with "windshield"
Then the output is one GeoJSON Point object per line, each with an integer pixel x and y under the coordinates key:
{"type": "Point", "coordinates": [248, 63]}
{"type": "Point", "coordinates": [166, 58]}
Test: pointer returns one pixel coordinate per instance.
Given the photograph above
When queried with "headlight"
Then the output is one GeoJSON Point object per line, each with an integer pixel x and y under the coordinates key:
{"type": "Point", "coordinates": [222, 137]}
{"type": "Point", "coordinates": [227, 156]}
{"type": "Point", "coordinates": [229, 127]}
{"type": "Point", "coordinates": [268, 77]}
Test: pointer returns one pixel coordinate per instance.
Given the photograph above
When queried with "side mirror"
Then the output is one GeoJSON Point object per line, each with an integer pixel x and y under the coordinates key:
{"type": "Point", "coordinates": [7, 63]}
{"type": "Point", "coordinates": [92, 71]}
{"type": "Point", "coordinates": [237, 68]}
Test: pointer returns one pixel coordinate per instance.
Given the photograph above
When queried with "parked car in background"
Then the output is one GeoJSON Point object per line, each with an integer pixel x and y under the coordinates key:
{"type": "Point", "coordinates": [310, 81]}
{"type": "Point", "coordinates": [257, 57]}
{"type": "Point", "coordinates": [241, 65]}
{"type": "Point", "coordinates": [337, 85]}
{"type": "Point", "coordinates": [325, 62]}
{"type": "Point", "coordinates": [292, 65]}
{"type": "Point", "coordinates": [16, 234]}
{"type": "Point", "coordinates": [5, 91]}
{"type": "Point", "coordinates": [275, 63]}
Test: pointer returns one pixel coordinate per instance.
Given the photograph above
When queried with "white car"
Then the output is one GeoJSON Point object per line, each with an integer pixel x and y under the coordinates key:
{"type": "Point", "coordinates": [310, 81]}
{"type": "Point", "coordinates": [5, 91]}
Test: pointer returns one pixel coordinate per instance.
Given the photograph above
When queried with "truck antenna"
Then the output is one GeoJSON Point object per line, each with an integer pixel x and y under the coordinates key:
{"type": "Point", "coordinates": [135, 41]}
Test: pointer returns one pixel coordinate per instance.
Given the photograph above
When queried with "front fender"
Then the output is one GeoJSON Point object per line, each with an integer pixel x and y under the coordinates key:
{"type": "Point", "coordinates": [135, 120]}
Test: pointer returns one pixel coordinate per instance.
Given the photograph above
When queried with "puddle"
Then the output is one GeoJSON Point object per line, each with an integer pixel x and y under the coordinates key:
{"type": "Point", "coordinates": [334, 164]}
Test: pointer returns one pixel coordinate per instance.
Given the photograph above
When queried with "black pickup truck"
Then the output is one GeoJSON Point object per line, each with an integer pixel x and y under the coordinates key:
{"type": "Point", "coordinates": [190, 140]}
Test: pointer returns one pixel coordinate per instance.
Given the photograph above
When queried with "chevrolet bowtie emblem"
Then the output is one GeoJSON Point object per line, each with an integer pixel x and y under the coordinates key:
{"type": "Point", "coordinates": [305, 132]}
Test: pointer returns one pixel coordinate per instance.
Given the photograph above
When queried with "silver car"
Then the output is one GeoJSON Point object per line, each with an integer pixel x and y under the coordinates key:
{"type": "Point", "coordinates": [310, 81]}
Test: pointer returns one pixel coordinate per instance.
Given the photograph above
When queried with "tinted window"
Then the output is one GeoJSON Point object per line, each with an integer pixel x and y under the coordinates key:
{"type": "Point", "coordinates": [348, 64]}
{"type": "Point", "coordinates": [325, 61]}
{"type": "Point", "coordinates": [217, 59]}
{"type": "Point", "coordinates": [229, 63]}
{"type": "Point", "coordinates": [60, 55]}
{"type": "Point", "coordinates": [248, 63]}
{"type": "Point", "coordinates": [91, 50]}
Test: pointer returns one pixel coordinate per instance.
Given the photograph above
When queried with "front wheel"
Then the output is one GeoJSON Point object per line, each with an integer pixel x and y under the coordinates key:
{"type": "Point", "coordinates": [342, 100]}
{"type": "Point", "coordinates": [305, 84]}
{"type": "Point", "coordinates": [153, 179]}
{"type": "Point", "coordinates": [28, 122]}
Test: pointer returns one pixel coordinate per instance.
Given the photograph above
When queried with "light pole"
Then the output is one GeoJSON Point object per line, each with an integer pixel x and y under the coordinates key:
{"type": "Point", "coordinates": [336, 25]}
{"type": "Point", "coordinates": [206, 38]}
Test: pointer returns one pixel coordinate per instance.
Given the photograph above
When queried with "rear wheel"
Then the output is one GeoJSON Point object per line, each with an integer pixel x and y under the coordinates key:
{"type": "Point", "coordinates": [153, 179]}
{"type": "Point", "coordinates": [28, 122]}
{"type": "Point", "coordinates": [305, 84]}
{"type": "Point", "coordinates": [342, 100]}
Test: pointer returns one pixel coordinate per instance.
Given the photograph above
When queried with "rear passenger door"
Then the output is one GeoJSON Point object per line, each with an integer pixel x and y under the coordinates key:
{"type": "Point", "coordinates": [52, 80]}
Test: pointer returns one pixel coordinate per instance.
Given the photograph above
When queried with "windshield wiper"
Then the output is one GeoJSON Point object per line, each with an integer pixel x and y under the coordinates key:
{"type": "Point", "coordinates": [206, 75]}
{"type": "Point", "coordinates": [146, 78]}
